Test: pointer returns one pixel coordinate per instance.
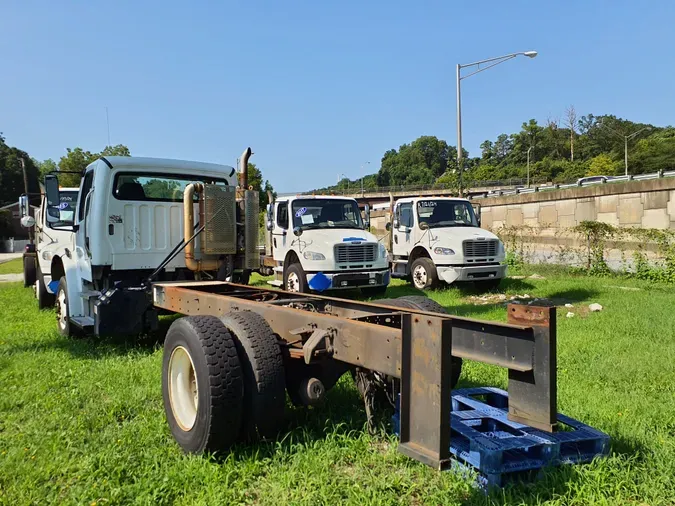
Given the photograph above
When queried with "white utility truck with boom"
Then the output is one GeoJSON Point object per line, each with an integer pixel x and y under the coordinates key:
{"type": "Point", "coordinates": [317, 243]}
{"type": "Point", "coordinates": [51, 240]}
{"type": "Point", "coordinates": [439, 239]}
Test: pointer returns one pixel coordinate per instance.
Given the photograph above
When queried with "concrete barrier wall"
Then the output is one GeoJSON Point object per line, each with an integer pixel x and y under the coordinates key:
{"type": "Point", "coordinates": [646, 204]}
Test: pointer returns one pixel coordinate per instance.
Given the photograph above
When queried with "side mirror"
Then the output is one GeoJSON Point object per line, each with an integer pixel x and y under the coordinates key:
{"type": "Point", "coordinates": [23, 206]}
{"type": "Point", "coordinates": [27, 221]}
{"type": "Point", "coordinates": [52, 198]}
{"type": "Point", "coordinates": [367, 213]}
{"type": "Point", "coordinates": [270, 217]}
{"type": "Point", "coordinates": [297, 231]}
{"type": "Point", "coordinates": [387, 227]}
{"type": "Point", "coordinates": [424, 225]}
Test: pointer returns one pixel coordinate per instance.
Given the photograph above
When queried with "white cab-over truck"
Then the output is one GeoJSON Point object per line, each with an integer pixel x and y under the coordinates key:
{"type": "Point", "coordinates": [439, 239]}
{"type": "Point", "coordinates": [51, 240]}
{"type": "Point", "coordinates": [318, 243]}
{"type": "Point", "coordinates": [134, 215]}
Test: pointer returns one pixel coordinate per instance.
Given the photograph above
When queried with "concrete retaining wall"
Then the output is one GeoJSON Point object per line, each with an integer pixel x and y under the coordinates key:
{"type": "Point", "coordinates": [646, 204]}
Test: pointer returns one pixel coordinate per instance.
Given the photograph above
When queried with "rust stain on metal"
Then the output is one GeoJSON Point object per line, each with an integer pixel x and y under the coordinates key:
{"type": "Point", "coordinates": [528, 315]}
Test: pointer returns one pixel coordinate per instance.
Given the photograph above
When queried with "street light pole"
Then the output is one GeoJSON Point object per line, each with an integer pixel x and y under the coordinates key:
{"type": "Point", "coordinates": [460, 162]}
{"type": "Point", "coordinates": [492, 62]}
{"type": "Point", "coordinates": [528, 166]}
{"type": "Point", "coordinates": [626, 138]}
{"type": "Point", "coordinates": [366, 163]}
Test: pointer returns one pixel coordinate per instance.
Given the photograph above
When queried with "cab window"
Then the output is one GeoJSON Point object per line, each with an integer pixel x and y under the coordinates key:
{"type": "Point", "coordinates": [86, 187]}
{"type": "Point", "coordinates": [282, 215]}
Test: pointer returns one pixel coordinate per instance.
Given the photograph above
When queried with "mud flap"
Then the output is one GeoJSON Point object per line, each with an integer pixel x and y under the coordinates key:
{"type": "Point", "coordinates": [120, 311]}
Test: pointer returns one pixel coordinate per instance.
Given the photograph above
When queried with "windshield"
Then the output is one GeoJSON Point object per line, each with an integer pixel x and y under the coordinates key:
{"type": "Point", "coordinates": [67, 205]}
{"type": "Point", "coordinates": [326, 213]}
{"type": "Point", "coordinates": [446, 213]}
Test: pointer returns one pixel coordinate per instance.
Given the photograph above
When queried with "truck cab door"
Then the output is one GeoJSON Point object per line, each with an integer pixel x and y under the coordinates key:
{"type": "Point", "coordinates": [82, 254]}
{"type": "Point", "coordinates": [280, 232]}
{"type": "Point", "coordinates": [403, 232]}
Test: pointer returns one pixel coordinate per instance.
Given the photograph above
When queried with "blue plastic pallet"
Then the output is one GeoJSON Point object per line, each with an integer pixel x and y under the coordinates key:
{"type": "Point", "coordinates": [484, 443]}
{"type": "Point", "coordinates": [578, 443]}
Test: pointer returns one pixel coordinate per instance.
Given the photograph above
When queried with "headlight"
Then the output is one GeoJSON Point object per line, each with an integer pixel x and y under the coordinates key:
{"type": "Point", "coordinates": [312, 255]}
{"type": "Point", "coordinates": [444, 251]}
{"type": "Point", "coordinates": [383, 251]}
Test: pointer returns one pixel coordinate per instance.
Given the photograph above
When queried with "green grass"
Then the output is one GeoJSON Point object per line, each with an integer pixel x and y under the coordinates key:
{"type": "Point", "coordinates": [82, 422]}
{"type": "Point", "coordinates": [12, 267]}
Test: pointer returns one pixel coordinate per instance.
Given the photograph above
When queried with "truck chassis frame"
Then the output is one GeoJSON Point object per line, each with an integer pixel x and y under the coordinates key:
{"type": "Point", "coordinates": [413, 346]}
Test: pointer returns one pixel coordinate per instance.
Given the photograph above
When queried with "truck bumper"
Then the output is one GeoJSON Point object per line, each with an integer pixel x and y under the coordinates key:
{"type": "Point", "coordinates": [345, 280]}
{"type": "Point", "coordinates": [473, 273]}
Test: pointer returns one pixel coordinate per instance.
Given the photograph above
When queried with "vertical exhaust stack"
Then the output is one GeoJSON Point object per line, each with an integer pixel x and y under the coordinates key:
{"type": "Point", "coordinates": [243, 168]}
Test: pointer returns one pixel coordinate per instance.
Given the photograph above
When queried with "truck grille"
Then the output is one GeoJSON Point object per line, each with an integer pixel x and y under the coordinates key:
{"type": "Point", "coordinates": [480, 248]}
{"type": "Point", "coordinates": [355, 253]}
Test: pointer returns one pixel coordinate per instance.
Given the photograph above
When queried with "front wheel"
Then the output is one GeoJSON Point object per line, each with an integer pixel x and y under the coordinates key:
{"type": "Point", "coordinates": [44, 298]}
{"type": "Point", "coordinates": [62, 309]}
{"type": "Point", "coordinates": [29, 271]}
{"type": "Point", "coordinates": [295, 279]}
{"type": "Point", "coordinates": [423, 273]}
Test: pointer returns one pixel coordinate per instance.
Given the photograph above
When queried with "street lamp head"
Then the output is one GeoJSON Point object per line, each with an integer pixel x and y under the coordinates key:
{"type": "Point", "coordinates": [530, 54]}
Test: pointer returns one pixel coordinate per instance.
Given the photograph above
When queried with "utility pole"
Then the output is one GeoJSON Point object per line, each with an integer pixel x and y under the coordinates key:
{"type": "Point", "coordinates": [528, 166]}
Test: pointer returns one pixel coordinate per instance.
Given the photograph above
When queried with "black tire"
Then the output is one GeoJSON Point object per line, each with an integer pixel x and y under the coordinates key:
{"type": "Point", "coordinates": [29, 270]}
{"type": "Point", "coordinates": [242, 277]}
{"type": "Point", "coordinates": [263, 373]}
{"type": "Point", "coordinates": [422, 303]}
{"type": "Point", "coordinates": [45, 299]}
{"type": "Point", "coordinates": [487, 284]}
{"type": "Point", "coordinates": [220, 389]}
{"type": "Point", "coordinates": [373, 291]}
{"type": "Point", "coordinates": [296, 269]}
{"type": "Point", "coordinates": [423, 274]}
{"type": "Point", "coordinates": [62, 309]}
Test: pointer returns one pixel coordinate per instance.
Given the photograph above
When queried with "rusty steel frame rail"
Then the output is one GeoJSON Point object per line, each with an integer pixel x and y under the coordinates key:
{"type": "Point", "coordinates": [414, 346]}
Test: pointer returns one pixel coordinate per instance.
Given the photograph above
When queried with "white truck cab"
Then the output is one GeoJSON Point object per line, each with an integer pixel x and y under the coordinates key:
{"type": "Point", "coordinates": [317, 243]}
{"type": "Point", "coordinates": [127, 221]}
{"type": "Point", "coordinates": [439, 239]}
{"type": "Point", "coordinates": [51, 240]}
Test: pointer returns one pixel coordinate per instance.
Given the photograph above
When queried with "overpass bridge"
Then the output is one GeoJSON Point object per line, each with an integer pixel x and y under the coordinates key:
{"type": "Point", "coordinates": [381, 195]}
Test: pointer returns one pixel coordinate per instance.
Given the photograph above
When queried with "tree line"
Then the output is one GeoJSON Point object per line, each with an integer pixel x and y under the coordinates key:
{"type": "Point", "coordinates": [69, 168]}
{"type": "Point", "coordinates": [560, 150]}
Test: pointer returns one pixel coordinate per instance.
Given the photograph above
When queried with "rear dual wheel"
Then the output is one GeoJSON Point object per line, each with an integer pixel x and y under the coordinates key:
{"type": "Point", "coordinates": [222, 381]}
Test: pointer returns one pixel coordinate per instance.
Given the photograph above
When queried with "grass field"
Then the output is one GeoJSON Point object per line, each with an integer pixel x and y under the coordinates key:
{"type": "Point", "coordinates": [82, 422]}
{"type": "Point", "coordinates": [12, 267]}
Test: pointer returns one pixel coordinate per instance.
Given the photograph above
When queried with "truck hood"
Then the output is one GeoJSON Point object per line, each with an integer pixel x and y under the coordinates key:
{"type": "Point", "coordinates": [454, 234]}
{"type": "Point", "coordinates": [320, 240]}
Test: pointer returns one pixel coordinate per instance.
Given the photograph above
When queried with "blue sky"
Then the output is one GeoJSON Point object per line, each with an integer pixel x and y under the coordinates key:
{"type": "Point", "coordinates": [318, 88]}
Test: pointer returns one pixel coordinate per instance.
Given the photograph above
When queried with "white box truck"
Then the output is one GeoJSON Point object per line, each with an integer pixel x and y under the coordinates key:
{"type": "Point", "coordinates": [50, 245]}
{"type": "Point", "coordinates": [439, 239]}
{"type": "Point", "coordinates": [318, 243]}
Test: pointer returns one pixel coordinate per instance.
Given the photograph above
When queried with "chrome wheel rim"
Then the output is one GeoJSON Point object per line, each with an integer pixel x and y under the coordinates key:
{"type": "Point", "coordinates": [420, 276]}
{"type": "Point", "coordinates": [62, 309]}
{"type": "Point", "coordinates": [293, 282]}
